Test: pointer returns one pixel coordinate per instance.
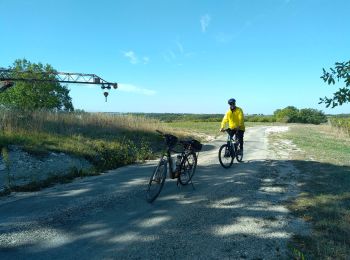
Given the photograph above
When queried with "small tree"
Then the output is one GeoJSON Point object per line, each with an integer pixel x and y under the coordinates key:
{"type": "Point", "coordinates": [311, 116]}
{"type": "Point", "coordinates": [340, 72]}
{"type": "Point", "coordinates": [36, 95]}
{"type": "Point", "coordinates": [289, 114]}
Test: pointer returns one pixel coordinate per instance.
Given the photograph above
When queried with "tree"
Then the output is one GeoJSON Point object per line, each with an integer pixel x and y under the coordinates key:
{"type": "Point", "coordinates": [289, 114]}
{"type": "Point", "coordinates": [340, 72]}
{"type": "Point", "coordinates": [36, 95]}
{"type": "Point", "coordinates": [311, 116]}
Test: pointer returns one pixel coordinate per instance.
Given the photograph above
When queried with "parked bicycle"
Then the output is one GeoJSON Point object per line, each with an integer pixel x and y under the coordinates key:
{"type": "Point", "coordinates": [230, 150]}
{"type": "Point", "coordinates": [183, 170]}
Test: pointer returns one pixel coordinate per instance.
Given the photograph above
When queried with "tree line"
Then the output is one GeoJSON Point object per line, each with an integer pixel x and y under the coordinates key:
{"type": "Point", "coordinates": [53, 96]}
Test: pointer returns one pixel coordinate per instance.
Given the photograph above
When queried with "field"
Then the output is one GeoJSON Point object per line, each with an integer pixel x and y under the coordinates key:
{"type": "Point", "coordinates": [111, 141]}
{"type": "Point", "coordinates": [324, 165]}
{"type": "Point", "coordinates": [323, 159]}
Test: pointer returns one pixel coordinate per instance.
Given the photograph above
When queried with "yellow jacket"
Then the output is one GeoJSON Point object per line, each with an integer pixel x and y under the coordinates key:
{"type": "Point", "coordinates": [234, 119]}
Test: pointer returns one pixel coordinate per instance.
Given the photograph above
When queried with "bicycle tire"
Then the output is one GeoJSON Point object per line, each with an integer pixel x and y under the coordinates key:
{"type": "Point", "coordinates": [187, 168]}
{"type": "Point", "coordinates": [156, 182]}
{"type": "Point", "coordinates": [225, 156]}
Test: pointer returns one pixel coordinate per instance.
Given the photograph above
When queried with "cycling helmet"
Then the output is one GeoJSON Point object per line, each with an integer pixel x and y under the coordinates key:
{"type": "Point", "coordinates": [231, 101]}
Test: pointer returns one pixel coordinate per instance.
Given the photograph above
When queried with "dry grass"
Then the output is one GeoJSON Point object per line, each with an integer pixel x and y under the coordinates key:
{"type": "Point", "coordinates": [323, 160]}
{"type": "Point", "coordinates": [108, 141]}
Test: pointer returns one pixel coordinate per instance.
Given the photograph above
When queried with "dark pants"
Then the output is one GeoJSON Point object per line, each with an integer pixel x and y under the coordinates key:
{"type": "Point", "coordinates": [240, 136]}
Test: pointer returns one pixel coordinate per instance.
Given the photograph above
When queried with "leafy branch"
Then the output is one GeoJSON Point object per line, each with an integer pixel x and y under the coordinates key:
{"type": "Point", "coordinates": [340, 72]}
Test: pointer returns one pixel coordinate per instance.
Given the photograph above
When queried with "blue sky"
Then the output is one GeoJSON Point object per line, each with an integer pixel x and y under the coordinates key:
{"type": "Point", "coordinates": [184, 56]}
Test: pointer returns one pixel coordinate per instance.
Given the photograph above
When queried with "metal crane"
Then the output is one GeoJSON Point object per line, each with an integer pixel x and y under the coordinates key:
{"type": "Point", "coordinates": [8, 78]}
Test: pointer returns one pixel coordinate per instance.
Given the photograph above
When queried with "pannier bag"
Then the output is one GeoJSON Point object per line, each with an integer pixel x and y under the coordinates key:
{"type": "Point", "coordinates": [196, 145]}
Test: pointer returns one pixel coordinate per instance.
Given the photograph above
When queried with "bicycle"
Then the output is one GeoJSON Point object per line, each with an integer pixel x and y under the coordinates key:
{"type": "Point", "coordinates": [230, 150]}
{"type": "Point", "coordinates": [183, 171]}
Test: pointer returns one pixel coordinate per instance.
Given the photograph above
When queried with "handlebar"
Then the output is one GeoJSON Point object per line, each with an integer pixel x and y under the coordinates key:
{"type": "Point", "coordinates": [159, 132]}
{"type": "Point", "coordinates": [231, 132]}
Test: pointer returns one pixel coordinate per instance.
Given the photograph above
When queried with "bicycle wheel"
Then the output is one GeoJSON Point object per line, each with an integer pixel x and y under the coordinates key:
{"type": "Point", "coordinates": [238, 153]}
{"type": "Point", "coordinates": [188, 168]}
{"type": "Point", "coordinates": [225, 157]}
{"type": "Point", "coordinates": [156, 181]}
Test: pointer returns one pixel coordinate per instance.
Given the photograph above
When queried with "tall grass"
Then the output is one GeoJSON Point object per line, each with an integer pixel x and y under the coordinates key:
{"type": "Point", "coordinates": [342, 124]}
{"type": "Point", "coordinates": [108, 141]}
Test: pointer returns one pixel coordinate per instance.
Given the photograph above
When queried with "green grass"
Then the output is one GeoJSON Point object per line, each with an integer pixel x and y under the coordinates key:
{"type": "Point", "coordinates": [324, 164]}
{"type": "Point", "coordinates": [206, 128]}
{"type": "Point", "coordinates": [111, 141]}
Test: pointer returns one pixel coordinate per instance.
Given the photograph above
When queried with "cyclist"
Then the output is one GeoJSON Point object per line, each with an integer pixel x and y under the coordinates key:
{"type": "Point", "coordinates": [235, 119]}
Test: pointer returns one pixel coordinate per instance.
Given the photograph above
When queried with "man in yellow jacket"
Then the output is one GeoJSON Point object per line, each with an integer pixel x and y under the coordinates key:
{"type": "Point", "coordinates": [235, 119]}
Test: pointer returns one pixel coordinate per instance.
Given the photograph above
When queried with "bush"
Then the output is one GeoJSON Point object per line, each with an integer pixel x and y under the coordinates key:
{"type": "Point", "coordinates": [342, 124]}
{"type": "Point", "coordinates": [259, 118]}
{"type": "Point", "coordinates": [312, 116]}
{"type": "Point", "coordinates": [291, 114]}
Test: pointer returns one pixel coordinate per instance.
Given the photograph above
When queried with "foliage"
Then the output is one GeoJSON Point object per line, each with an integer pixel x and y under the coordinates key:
{"type": "Point", "coordinates": [108, 141]}
{"type": "Point", "coordinates": [291, 114]}
{"type": "Point", "coordinates": [343, 124]}
{"type": "Point", "coordinates": [36, 95]}
{"type": "Point", "coordinates": [260, 118]}
{"type": "Point", "coordinates": [183, 117]}
{"type": "Point", "coordinates": [311, 116]}
{"type": "Point", "coordinates": [175, 117]}
{"type": "Point", "coordinates": [340, 72]}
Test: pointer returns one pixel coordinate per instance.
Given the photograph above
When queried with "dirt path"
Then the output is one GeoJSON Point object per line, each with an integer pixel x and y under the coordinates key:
{"type": "Point", "coordinates": [231, 214]}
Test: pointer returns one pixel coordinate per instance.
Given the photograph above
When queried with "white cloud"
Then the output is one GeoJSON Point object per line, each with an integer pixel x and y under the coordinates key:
{"type": "Point", "coordinates": [177, 53]}
{"type": "Point", "coordinates": [131, 56]}
{"type": "Point", "coordinates": [134, 89]}
{"type": "Point", "coordinates": [134, 59]}
{"type": "Point", "coordinates": [205, 21]}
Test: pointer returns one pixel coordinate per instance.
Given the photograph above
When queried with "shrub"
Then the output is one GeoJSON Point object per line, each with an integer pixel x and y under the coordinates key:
{"type": "Point", "coordinates": [291, 114]}
{"type": "Point", "coordinates": [312, 116]}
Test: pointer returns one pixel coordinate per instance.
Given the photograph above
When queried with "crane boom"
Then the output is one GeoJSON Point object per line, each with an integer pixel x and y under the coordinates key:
{"type": "Point", "coordinates": [8, 78]}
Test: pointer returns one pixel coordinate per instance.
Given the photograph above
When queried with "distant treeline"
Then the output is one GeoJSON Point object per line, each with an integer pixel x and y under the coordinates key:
{"type": "Point", "coordinates": [178, 117]}
{"type": "Point", "coordinates": [175, 117]}
{"type": "Point", "coordinates": [288, 114]}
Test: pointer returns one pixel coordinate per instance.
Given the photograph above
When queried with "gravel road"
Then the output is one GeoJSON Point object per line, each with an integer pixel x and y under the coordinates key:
{"type": "Point", "coordinates": [236, 213]}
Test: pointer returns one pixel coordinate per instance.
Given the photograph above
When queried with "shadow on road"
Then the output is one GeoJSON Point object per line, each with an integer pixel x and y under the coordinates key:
{"type": "Point", "coordinates": [233, 213]}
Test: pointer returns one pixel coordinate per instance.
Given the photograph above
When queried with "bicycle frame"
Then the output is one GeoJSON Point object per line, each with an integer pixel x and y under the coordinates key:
{"type": "Point", "coordinates": [168, 154]}
{"type": "Point", "coordinates": [232, 142]}
{"type": "Point", "coordinates": [185, 165]}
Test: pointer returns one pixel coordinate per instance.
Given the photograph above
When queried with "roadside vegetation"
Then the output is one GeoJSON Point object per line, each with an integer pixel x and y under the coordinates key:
{"type": "Point", "coordinates": [324, 201]}
{"type": "Point", "coordinates": [107, 141]}
{"type": "Point", "coordinates": [288, 114]}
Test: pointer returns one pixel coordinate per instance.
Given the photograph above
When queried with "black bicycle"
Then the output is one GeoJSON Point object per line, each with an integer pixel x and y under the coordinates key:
{"type": "Point", "coordinates": [183, 170]}
{"type": "Point", "coordinates": [230, 150]}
